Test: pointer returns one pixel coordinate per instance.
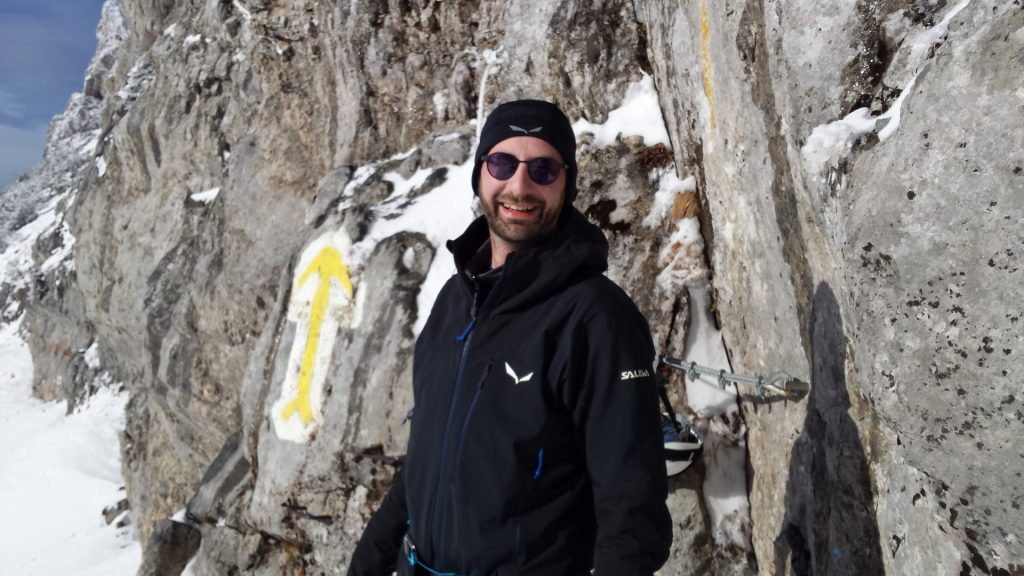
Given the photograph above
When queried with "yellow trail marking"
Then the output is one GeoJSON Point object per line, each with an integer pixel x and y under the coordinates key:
{"type": "Point", "coordinates": [705, 56]}
{"type": "Point", "coordinates": [327, 265]}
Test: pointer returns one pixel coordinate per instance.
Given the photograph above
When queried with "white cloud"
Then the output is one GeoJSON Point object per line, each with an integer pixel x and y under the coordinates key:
{"type": "Point", "coordinates": [20, 150]}
{"type": "Point", "coordinates": [9, 105]}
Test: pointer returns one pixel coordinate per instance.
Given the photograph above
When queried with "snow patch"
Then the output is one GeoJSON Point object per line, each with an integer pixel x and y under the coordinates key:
{"type": "Point", "coordinates": [409, 258]}
{"type": "Point", "coordinates": [62, 253]}
{"type": "Point", "coordinates": [178, 516]}
{"type": "Point", "coordinates": [829, 143]}
{"type": "Point", "coordinates": [725, 451]}
{"type": "Point", "coordinates": [90, 147]}
{"type": "Point", "coordinates": [441, 214]}
{"type": "Point", "coordinates": [16, 262]}
{"type": "Point", "coordinates": [206, 196]}
{"type": "Point", "coordinates": [191, 39]}
{"type": "Point", "coordinates": [492, 59]}
{"type": "Point", "coordinates": [923, 43]}
{"type": "Point", "coordinates": [139, 77]}
{"type": "Point", "coordinates": [92, 355]}
{"type": "Point", "coordinates": [101, 166]}
{"type": "Point", "coordinates": [440, 103]}
{"type": "Point", "coordinates": [895, 113]}
{"type": "Point", "coordinates": [401, 187]}
{"type": "Point", "coordinates": [171, 31]}
{"type": "Point", "coordinates": [682, 257]}
{"type": "Point", "coordinates": [669, 187]}
{"type": "Point", "coordinates": [638, 115]}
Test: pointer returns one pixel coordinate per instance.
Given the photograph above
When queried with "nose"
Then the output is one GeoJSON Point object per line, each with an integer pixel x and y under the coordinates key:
{"type": "Point", "coordinates": [520, 179]}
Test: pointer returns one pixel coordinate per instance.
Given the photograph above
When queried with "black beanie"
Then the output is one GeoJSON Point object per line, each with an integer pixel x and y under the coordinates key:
{"type": "Point", "coordinates": [535, 118]}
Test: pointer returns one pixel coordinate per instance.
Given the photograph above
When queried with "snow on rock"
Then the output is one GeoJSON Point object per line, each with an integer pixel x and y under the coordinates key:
{"type": "Point", "coordinates": [16, 261]}
{"type": "Point", "coordinates": [829, 143]}
{"type": "Point", "coordinates": [923, 42]}
{"type": "Point", "coordinates": [206, 196]}
{"type": "Point", "coordinates": [719, 420]}
{"type": "Point", "coordinates": [62, 254]}
{"type": "Point", "coordinates": [445, 211]}
{"type": "Point", "coordinates": [669, 186]}
{"type": "Point", "coordinates": [491, 59]}
{"type": "Point", "coordinates": [101, 166]}
{"type": "Point", "coordinates": [440, 215]}
{"type": "Point", "coordinates": [682, 257]}
{"type": "Point", "coordinates": [638, 115]}
{"type": "Point", "coordinates": [92, 355]}
{"type": "Point", "coordinates": [140, 76]}
{"type": "Point", "coordinates": [60, 471]}
{"type": "Point", "coordinates": [191, 39]}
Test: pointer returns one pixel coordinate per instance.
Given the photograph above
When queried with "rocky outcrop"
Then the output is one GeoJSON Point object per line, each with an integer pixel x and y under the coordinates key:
{"type": "Point", "coordinates": [250, 257]}
{"type": "Point", "coordinates": [854, 272]}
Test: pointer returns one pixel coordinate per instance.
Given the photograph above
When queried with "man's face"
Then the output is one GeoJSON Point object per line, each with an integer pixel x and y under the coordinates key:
{"type": "Point", "coordinates": [518, 210]}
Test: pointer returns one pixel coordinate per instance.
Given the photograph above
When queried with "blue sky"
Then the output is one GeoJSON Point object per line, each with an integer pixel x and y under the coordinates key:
{"type": "Point", "coordinates": [45, 46]}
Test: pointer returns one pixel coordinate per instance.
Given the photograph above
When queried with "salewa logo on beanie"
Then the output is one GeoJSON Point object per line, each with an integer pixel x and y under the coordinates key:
{"type": "Point", "coordinates": [515, 128]}
{"type": "Point", "coordinates": [542, 120]}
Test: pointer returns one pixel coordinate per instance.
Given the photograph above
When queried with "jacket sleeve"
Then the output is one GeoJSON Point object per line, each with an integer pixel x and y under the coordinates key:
{"type": "Point", "coordinates": [617, 412]}
{"type": "Point", "coordinates": [378, 548]}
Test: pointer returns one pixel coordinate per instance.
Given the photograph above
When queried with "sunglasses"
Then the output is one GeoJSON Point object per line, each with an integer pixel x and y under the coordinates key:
{"type": "Point", "coordinates": [543, 171]}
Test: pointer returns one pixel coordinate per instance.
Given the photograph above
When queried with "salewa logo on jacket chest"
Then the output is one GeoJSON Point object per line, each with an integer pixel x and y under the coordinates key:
{"type": "Point", "coordinates": [634, 374]}
{"type": "Point", "coordinates": [517, 379]}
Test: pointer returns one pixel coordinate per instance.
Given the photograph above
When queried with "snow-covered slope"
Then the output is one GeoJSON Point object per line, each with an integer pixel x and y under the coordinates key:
{"type": "Point", "coordinates": [59, 472]}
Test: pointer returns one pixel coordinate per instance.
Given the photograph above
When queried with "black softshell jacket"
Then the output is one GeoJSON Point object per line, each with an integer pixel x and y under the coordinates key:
{"type": "Point", "coordinates": [535, 445]}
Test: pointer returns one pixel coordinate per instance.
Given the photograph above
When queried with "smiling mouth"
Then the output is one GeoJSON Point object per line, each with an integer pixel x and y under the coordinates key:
{"type": "Point", "coordinates": [518, 208]}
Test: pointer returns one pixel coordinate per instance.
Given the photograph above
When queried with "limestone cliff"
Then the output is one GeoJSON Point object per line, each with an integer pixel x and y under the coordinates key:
{"type": "Point", "coordinates": [858, 176]}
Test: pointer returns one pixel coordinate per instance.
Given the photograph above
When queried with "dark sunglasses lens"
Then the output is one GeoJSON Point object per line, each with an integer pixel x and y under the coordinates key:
{"type": "Point", "coordinates": [502, 166]}
{"type": "Point", "coordinates": [544, 171]}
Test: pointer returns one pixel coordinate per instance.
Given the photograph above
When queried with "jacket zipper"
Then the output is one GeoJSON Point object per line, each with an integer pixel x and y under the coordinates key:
{"type": "Point", "coordinates": [466, 337]}
{"type": "Point", "coordinates": [469, 413]}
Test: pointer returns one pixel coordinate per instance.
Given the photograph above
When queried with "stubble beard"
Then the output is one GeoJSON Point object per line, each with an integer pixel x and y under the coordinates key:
{"type": "Point", "coordinates": [520, 234]}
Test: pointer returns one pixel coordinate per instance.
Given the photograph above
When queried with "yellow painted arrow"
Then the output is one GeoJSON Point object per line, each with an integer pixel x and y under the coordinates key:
{"type": "Point", "coordinates": [327, 265]}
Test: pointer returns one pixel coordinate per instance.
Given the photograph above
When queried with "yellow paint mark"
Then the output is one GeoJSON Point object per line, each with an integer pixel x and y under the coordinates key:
{"type": "Point", "coordinates": [327, 265]}
{"type": "Point", "coordinates": [705, 56]}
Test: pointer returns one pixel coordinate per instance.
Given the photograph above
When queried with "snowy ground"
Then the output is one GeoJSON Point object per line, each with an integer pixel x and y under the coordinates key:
{"type": "Point", "coordinates": [59, 472]}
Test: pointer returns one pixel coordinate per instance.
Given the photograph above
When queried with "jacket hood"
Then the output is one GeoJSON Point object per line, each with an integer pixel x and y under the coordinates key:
{"type": "Point", "coordinates": [577, 249]}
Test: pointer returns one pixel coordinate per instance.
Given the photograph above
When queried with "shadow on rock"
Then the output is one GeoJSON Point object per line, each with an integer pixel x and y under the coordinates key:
{"type": "Point", "coordinates": [830, 525]}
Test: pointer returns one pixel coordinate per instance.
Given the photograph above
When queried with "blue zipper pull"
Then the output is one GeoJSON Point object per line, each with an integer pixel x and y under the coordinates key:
{"type": "Point", "coordinates": [465, 333]}
{"type": "Point", "coordinates": [540, 464]}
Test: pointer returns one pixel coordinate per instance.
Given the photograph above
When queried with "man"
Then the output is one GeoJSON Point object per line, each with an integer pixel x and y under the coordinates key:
{"type": "Point", "coordinates": [536, 443]}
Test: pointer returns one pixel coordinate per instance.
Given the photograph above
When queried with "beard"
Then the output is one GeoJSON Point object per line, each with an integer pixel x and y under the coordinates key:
{"type": "Point", "coordinates": [522, 229]}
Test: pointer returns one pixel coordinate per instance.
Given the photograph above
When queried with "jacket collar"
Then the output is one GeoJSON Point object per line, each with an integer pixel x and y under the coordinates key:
{"type": "Point", "coordinates": [577, 248]}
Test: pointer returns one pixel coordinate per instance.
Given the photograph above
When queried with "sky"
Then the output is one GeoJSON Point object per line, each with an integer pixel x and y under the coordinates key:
{"type": "Point", "coordinates": [45, 47]}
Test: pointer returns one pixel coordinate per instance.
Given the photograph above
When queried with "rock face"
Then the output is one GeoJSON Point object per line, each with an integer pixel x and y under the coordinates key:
{"type": "Point", "coordinates": [250, 260]}
{"type": "Point", "coordinates": [858, 274]}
